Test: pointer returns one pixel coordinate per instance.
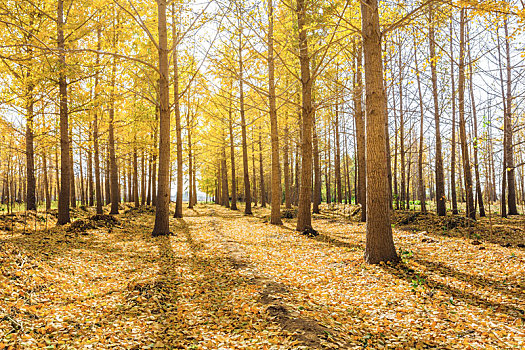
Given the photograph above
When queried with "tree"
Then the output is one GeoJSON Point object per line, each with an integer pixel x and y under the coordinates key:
{"type": "Point", "coordinates": [163, 195]}
{"type": "Point", "coordinates": [63, 199]}
{"type": "Point", "coordinates": [275, 218]}
{"type": "Point", "coordinates": [379, 240]}
{"type": "Point", "coordinates": [304, 215]}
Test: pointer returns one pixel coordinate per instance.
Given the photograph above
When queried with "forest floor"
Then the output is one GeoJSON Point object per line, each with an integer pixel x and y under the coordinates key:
{"type": "Point", "coordinates": [227, 281]}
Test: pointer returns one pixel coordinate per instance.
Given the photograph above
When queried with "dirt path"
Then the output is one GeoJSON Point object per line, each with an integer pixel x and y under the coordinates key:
{"type": "Point", "coordinates": [227, 281]}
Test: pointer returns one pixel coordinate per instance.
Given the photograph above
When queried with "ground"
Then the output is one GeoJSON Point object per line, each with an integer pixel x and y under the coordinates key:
{"type": "Point", "coordinates": [228, 281]}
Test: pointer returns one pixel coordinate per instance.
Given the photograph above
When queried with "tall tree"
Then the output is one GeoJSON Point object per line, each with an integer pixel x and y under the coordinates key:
{"type": "Point", "coordinates": [304, 215]}
{"type": "Point", "coordinates": [379, 241]}
{"type": "Point", "coordinates": [275, 218]}
{"type": "Point", "coordinates": [441, 207]}
{"type": "Point", "coordinates": [471, 212]}
{"type": "Point", "coordinates": [63, 199]}
{"type": "Point", "coordinates": [163, 195]}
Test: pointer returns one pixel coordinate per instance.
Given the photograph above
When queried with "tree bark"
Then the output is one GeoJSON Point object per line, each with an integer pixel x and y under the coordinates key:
{"type": "Point", "coordinates": [421, 181]}
{"type": "Point", "coordinates": [379, 241]}
{"type": "Point", "coordinates": [453, 165]}
{"type": "Point", "coordinates": [163, 196]}
{"type": "Point", "coordinates": [63, 200]}
{"type": "Point", "coordinates": [287, 187]}
{"type": "Point", "coordinates": [246, 174]}
{"type": "Point", "coordinates": [508, 133]}
{"type": "Point", "coordinates": [111, 135]}
{"type": "Point", "coordinates": [471, 212]}
{"type": "Point", "coordinates": [261, 171]}
{"type": "Point", "coordinates": [441, 207]}
{"type": "Point", "coordinates": [479, 193]}
{"type": "Point", "coordinates": [30, 153]}
{"type": "Point", "coordinates": [275, 218]}
{"type": "Point", "coordinates": [178, 127]}
{"type": "Point", "coordinates": [360, 136]}
{"type": "Point", "coordinates": [232, 160]}
{"type": "Point", "coordinates": [304, 215]}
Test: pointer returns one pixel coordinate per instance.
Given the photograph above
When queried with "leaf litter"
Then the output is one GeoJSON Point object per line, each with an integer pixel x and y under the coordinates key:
{"type": "Point", "coordinates": [227, 281]}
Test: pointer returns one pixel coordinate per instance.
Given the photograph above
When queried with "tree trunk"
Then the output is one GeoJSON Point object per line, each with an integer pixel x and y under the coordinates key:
{"type": "Point", "coordinates": [421, 181]}
{"type": "Point", "coordinates": [63, 200]}
{"type": "Point", "coordinates": [403, 199]}
{"type": "Point", "coordinates": [379, 240]}
{"type": "Point", "coordinates": [46, 182]}
{"type": "Point", "coordinates": [304, 215]}
{"type": "Point", "coordinates": [82, 193]}
{"type": "Point", "coordinates": [135, 177]}
{"type": "Point", "coordinates": [261, 171]}
{"type": "Point", "coordinates": [163, 195]}
{"type": "Point", "coordinates": [73, 195]}
{"type": "Point", "coordinates": [441, 206]}
{"type": "Point", "coordinates": [254, 176]}
{"type": "Point", "coordinates": [287, 187]}
{"type": "Point", "coordinates": [508, 133]}
{"type": "Point", "coordinates": [30, 154]}
{"type": "Point", "coordinates": [112, 158]}
{"type": "Point", "coordinates": [232, 160]}
{"type": "Point", "coordinates": [479, 193]}
{"type": "Point", "coordinates": [471, 213]}
{"type": "Point", "coordinates": [178, 128]}
{"type": "Point", "coordinates": [360, 138]}
{"type": "Point", "coordinates": [98, 187]}
{"type": "Point", "coordinates": [275, 218]}
{"type": "Point", "coordinates": [453, 166]}
{"type": "Point", "coordinates": [224, 176]}
{"type": "Point", "coordinates": [246, 174]}
{"type": "Point", "coordinates": [337, 156]}
{"type": "Point", "coordinates": [317, 169]}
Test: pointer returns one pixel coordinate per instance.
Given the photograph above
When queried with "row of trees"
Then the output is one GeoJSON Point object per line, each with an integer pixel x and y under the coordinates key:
{"type": "Point", "coordinates": [290, 103]}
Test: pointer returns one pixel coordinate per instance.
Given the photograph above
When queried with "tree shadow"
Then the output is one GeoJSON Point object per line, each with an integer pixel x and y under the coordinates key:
{"type": "Point", "coordinates": [402, 271]}
{"type": "Point", "coordinates": [516, 290]}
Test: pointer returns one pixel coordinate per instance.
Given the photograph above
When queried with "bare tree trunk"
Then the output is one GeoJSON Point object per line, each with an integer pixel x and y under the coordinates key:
{"type": "Point", "coordinates": [441, 206]}
{"type": "Point", "coordinates": [225, 192]}
{"type": "Point", "coordinates": [82, 193]}
{"type": "Point", "coordinates": [379, 241]}
{"type": "Point", "coordinates": [98, 187]}
{"type": "Point", "coordinates": [90, 183]}
{"type": "Point", "coordinates": [471, 213]}
{"type": "Point", "coordinates": [360, 138]}
{"type": "Point", "coordinates": [403, 198]}
{"type": "Point", "coordinates": [135, 177]}
{"type": "Point", "coordinates": [178, 127]}
{"type": "Point", "coordinates": [254, 177]}
{"type": "Point", "coordinates": [63, 200]}
{"type": "Point", "coordinates": [328, 165]}
{"type": "Point", "coordinates": [191, 166]}
{"type": "Point", "coordinates": [287, 187]}
{"type": "Point", "coordinates": [246, 174]}
{"type": "Point", "coordinates": [150, 175]}
{"type": "Point", "coordinates": [421, 181]}
{"type": "Point", "coordinates": [46, 182]}
{"type": "Point", "coordinates": [30, 154]}
{"type": "Point", "coordinates": [453, 166]}
{"type": "Point", "coordinates": [337, 156]}
{"type": "Point", "coordinates": [479, 193]}
{"type": "Point", "coordinates": [317, 169]}
{"type": "Point", "coordinates": [304, 216]}
{"type": "Point", "coordinates": [163, 195]}
{"type": "Point", "coordinates": [232, 160]}
{"type": "Point", "coordinates": [276, 167]}
{"type": "Point", "coordinates": [73, 195]}
{"type": "Point", "coordinates": [261, 171]}
{"type": "Point", "coordinates": [112, 158]}
{"type": "Point", "coordinates": [509, 147]}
